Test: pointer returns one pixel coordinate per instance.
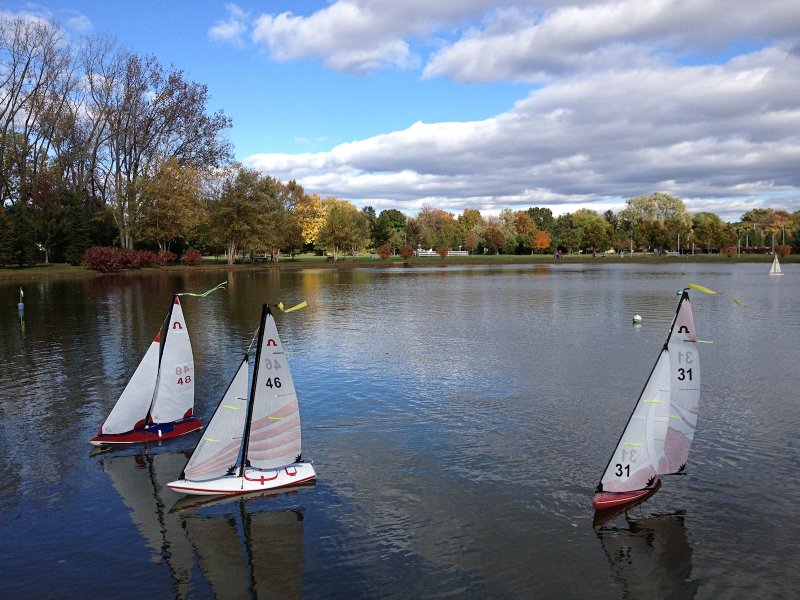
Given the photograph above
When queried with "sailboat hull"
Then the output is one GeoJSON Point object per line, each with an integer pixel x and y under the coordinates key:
{"type": "Point", "coordinates": [162, 431]}
{"type": "Point", "coordinates": [253, 480]}
{"type": "Point", "coordinates": [606, 500]}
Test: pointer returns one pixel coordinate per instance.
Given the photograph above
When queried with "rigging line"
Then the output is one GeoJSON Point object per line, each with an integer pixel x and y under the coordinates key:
{"type": "Point", "coordinates": [252, 341]}
{"type": "Point", "coordinates": [220, 286]}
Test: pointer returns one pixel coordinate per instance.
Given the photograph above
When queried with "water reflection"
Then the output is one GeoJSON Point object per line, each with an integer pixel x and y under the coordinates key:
{"type": "Point", "coordinates": [223, 547]}
{"type": "Point", "coordinates": [650, 556]}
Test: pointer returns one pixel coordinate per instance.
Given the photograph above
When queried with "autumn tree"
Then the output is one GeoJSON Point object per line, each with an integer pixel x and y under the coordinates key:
{"type": "Point", "coordinates": [526, 229]}
{"type": "Point", "coordinates": [493, 238]}
{"type": "Point", "coordinates": [437, 227]}
{"type": "Point", "coordinates": [542, 241]}
{"type": "Point", "coordinates": [171, 204]}
{"type": "Point", "coordinates": [344, 229]}
{"type": "Point", "coordinates": [154, 116]}
{"type": "Point", "coordinates": [236, 218]}
{"type": "Point", "coordinates": [310, 215]}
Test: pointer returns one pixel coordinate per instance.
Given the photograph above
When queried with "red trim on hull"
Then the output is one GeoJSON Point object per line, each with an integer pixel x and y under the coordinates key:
{"type": "Point", "coordinates": [142, 435]}
{"type": "Point", "coordinates": [605, 500]}
{"type": "Point", "coordinates": [178, 488]}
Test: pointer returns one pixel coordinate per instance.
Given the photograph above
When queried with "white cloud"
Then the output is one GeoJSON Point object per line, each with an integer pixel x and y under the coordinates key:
{"type": "Point", "coordinates": [233, 29]}
{"type": "Point", "coordinates": [702, 133]}
{"type": "Point", "coordinates": [79, 24]}
{"type": "Point", "coordinates": [516, 44]}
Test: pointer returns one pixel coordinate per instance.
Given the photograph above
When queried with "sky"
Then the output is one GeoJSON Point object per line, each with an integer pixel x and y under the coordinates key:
{"type": "Point", "coordinates": [454, 104]}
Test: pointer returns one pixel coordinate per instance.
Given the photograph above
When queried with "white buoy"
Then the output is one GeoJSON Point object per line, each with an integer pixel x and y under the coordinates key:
{"type": "Point", "coordinates": [637, 318]}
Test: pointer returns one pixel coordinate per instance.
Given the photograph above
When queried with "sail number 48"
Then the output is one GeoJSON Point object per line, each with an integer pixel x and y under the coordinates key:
{"type": "Point", "coordinates": [183, 374]}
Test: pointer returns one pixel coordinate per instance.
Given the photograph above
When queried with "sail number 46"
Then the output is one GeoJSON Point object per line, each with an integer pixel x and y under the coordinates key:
{"type": "Point", "coordinates": [273, 382]}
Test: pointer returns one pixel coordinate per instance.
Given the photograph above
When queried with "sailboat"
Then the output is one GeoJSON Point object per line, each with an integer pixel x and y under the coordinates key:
{"type": "Point", "coordinates": [252, 442]}
{"type": "Point", "coordinates": [659, 433]}
{"type": "Point", "coordinates": [158, 402]}
{"type": "Point", "coordinates": [775, 269]}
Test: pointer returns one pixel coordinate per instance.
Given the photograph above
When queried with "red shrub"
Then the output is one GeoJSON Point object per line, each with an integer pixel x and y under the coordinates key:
{"type": "Point", "coordinates": [192, 258]}
{"type": "Point", "coordinates": [442, 251]}
{"type": "Point", "coordinates": [166, 258]}
{"type": "Point", "coordinates": [146, 258]}
{"type": "Point", "coordinates": [105, 260]}
{"type": "Point", "coordinates": [385, 251]}
{"type": "Point", "coordinates": [406, 252]}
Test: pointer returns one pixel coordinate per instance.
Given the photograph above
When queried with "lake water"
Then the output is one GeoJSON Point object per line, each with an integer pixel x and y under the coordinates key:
{"type": "Point", "coordinates": [458, 419]}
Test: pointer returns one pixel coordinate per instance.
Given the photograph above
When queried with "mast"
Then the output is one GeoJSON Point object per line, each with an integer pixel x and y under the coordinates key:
{"type": "Point", "coordinates": [664, 348]}
{"type": "Point", "coordinates": [246, 435]}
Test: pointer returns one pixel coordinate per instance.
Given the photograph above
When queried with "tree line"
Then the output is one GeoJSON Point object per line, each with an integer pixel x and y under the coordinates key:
{"type": "Point", "coordinates": [100, 146]}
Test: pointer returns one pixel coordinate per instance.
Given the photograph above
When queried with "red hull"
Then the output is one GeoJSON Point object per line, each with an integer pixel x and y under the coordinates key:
{"type": "Point", "coordinates": [606, 500]}
{"type": "Point", "coordinates": [142, 435]}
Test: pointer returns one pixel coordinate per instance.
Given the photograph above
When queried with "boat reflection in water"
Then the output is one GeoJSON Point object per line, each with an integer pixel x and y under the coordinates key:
{"type": "Point", "coordinates": [650, 556]}
{"type": "Point", "coordinates": [239, 548]}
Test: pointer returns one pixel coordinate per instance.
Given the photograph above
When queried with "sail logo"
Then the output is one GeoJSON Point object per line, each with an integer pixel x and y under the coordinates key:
{"type": "Point", "coordinates": [271, 342]}
{"type": "Point", "coordinates": [177, 325]}
{"type": "Point", "coordinates": [683, 329]}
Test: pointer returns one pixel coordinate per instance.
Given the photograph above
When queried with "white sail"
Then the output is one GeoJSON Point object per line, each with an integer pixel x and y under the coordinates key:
{"type": "Point", "coordinates": [775, 269]}
{"type": "Point", "coordinates": [641, 447]}
{"type": "Point", "coordinates": [685, 389]}
{"type": "Point", "coordinates": [175, 392]}
{"type": "Point", "coordinates": [132, 406]}
{"type": "Point", "coordinates": [219, 447]}
{"type": "Point", "coordinates": [274, 439]}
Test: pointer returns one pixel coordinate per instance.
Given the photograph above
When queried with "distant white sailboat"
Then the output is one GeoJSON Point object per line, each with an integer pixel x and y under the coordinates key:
{"type": "Point", "coordinates": [252, 442]}
{"type": "Point", "coordinates": [775, 269]}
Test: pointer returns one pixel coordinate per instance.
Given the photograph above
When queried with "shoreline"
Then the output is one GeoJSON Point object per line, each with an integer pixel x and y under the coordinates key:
{"type": "Point", "coordinates": [65, 271]}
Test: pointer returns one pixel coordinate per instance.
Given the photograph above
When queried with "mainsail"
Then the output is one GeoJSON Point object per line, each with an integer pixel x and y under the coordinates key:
{"type": "Point", "coordinates": [684, 362]}
{"type": "Point", "coordinates": [174, 397]}
{"type": "Point", "coordinates": [274, 432]}
{"type": "Point", "coordinates": [659, 433]}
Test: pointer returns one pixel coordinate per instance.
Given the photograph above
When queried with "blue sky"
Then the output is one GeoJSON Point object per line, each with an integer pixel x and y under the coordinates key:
{"type": "Point", "coordinates": [474, 104]}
